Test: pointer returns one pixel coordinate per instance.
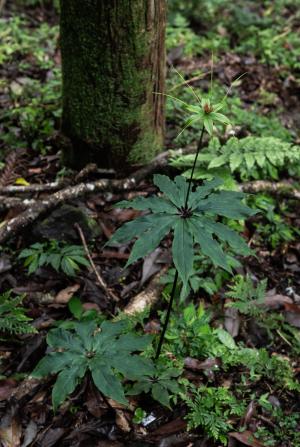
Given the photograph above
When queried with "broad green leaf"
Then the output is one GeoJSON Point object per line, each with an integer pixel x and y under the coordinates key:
{"type": "Point", "coordinates": [250, 160]}
{"type": "Point", "coordinates": [155, 204]}
{"type": "Point", "coordinates": [61, 339]}
{"type": "Point", "coordinates": [107, 382]}
{"type": "Point", "coordinates": [75, 307]}
{"type": "Point", "coordinates": [149, 240]}
{"type": "Point", "coordinates": [66, 383]}
{"type": "Point", "coordinates": [165, 184]}
{"type": "Point", "coordinates": [226, 338]}
{"type": "Point", "coordinates": [68, 266]}
{"type": "Point", "coordinates": [235, 160]}
{"type": "Point", "coordinates": [108, 330]}
{"type": "Point", "coordinates": [208, 245]}
{"type": "Point", "coordinates": [81, 260]}
{"type": "Point", "coordinates": [54, 260]}
{"type": "Point", "coordinates": [132, 367]}
{"type": "Point", "coordinates": [52, 364]}
{"type": "Point", "coordinates": [133, 342]}
{"type": "Point", "coordinates": [160, 394]}
{"type": "Point", "coordinates": [183, 250]}
{"type": "Point", "coordinates": [85, 330]}
{"type": "Point", "coordinates": [260, 159]}
{"type": "Point", "coordinates": [134, 229]}
{"type": "Point", "coordinates": [202, 191]}
{"type": "Point", "coordinates": [140, 387]}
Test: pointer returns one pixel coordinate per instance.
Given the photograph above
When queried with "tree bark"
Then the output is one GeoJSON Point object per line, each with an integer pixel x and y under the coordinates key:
{"type": "Point", "coordinates": [113, 60]}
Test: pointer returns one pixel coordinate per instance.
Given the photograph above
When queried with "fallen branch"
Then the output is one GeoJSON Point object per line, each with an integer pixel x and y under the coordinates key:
{"type": "Point", "coordinates": [284, 188]}
{"type": "Point", "coordinates": [147, 297]}
{"type": "Point", "coordinates": [24, 189]}
{"type": "Point", "coordinates": [35, 209]}
{"type": "Point", "coordinates": [101, 281]}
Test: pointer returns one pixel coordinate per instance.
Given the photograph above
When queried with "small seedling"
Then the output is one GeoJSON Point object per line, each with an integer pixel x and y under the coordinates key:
{"type": "Point", "coordinates": [61, 257]}
{"type": "Point", "coordinates": [107, 351]}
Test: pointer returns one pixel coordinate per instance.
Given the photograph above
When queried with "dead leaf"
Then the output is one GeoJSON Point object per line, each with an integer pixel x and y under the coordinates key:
{"type": "Point", "coordinates": [197, 365]}
{"type": "Point", "coordinates": [10, 432]}
{"type": "Point", "coordinates": [150, 266]}
{"type": "Point", "coordinates": [232, 321]}
{"type": "Point", "coordinates": [170, 428]}
{"type": "Point", "coordinates": [292, 314]}
{"type": "Point", "coordinates": [246, 438]}
{"type": "Point", "coordinates": [274, 300]}
{"type": "Point", "coordinates": [122, 421]}
{"type": "Point", "coordinates": [64, 296]}
{"type": "Point", "coordinates": [6, 388]}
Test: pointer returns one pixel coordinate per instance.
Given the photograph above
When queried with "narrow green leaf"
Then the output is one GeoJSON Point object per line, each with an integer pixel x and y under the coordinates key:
{"type": "Point", "coordinates": [155, 204]}
{"type": "Point", "coordinates": [226, 203]}
{"type": "Point", "coordinates": [227, 235]}
{"type": "Point", "coordinates": [148, 241]}
{"type": "Point", "coordinates": [209, 125]}
{"type": "Point", "coordinates": [182, 250]}
{"type": "Point", "coordinates": [169, 188]}
{"type": "Point", "coordinates": [202, 191]}
{"type": "Point", "coordinates": [134, 229]}
{"type": "Point", "coordinates": [208, 245]}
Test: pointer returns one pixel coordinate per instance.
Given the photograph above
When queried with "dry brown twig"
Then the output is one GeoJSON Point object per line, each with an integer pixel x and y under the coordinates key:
{"type": "Point", "coordinates": [101, 281]}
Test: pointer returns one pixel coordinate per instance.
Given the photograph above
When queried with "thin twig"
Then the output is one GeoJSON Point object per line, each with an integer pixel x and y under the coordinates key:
{"type": "Point", "coordinates": [101, 281]}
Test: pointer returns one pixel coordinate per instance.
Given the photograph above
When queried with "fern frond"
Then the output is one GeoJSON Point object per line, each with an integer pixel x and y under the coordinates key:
{"type": "Point", "coordinates": [250, 157]}
{"type": "Point", "coordinates": [13, 320]}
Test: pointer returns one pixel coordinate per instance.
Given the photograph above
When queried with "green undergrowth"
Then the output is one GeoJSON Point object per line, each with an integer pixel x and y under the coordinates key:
{"type": "Point", "coordinates": [266, 30]}
{"type": "Point", "coordinates": [32, 110]}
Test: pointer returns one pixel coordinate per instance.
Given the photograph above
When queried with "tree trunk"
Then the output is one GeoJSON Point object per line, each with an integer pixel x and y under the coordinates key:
{"type": "Point", "coordinates": [113, 59]}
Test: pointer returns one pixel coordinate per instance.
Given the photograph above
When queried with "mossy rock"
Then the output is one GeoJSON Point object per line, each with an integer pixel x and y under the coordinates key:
{"type": "Point", "coordinates": [59, 225]}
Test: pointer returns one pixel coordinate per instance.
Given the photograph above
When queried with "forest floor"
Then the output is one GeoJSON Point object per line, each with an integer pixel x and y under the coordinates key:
{"type": "Point", "coordinates": [233, 341]}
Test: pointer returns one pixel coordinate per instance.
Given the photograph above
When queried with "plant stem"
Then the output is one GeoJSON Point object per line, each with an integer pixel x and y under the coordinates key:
{"type": "Point", "coordinates": [162, 335]}
{"type": "Point", "coordinates": [193, 168]}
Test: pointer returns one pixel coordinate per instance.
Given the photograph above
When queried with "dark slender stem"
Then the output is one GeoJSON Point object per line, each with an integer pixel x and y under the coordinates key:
{"type": "Point", "coordinates": [193, 168]}
{"type": "Point", "coordinates": [162, 335]}
{"type": "Point", "coordinates": [165, 326]}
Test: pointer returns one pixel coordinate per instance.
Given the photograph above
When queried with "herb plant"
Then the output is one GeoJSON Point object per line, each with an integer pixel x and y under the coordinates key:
{"type": "Point", "coordinates": [61, 257]}
{"type": "Point", "coordinates": [190, 214]}
{"type": "Point", "coordinates": [161, 384]}
{"type": "Point", "coordinates": [106, 351]}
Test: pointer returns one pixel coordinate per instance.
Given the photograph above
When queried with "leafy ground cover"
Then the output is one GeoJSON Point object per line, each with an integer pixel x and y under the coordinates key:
{"type": "Point", "coordinates": [77, 368]}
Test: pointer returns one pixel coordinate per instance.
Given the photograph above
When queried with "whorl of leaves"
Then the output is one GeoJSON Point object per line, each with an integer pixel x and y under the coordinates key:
{"type": "Point", "coordinates": [193, 224]}
{"type": "Point", "coordinates": [108, 352]}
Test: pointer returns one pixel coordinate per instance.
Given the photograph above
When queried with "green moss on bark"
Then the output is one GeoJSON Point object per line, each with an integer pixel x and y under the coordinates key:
{"type": "Point", "coordinates": [107, 109]}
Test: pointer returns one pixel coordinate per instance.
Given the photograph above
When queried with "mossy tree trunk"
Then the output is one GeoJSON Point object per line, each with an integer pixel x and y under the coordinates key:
{"type": "Point", "coordinates": [113, 59]}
